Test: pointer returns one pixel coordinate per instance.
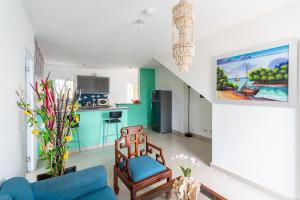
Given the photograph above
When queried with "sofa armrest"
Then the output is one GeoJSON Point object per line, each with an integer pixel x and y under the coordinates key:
{"type": "Point", "coordinates": [17, 188]}
{"type": "Point", "coordinates": [70, 186]}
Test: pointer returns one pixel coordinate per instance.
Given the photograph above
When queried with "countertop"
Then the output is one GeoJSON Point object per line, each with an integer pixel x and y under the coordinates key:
{"type": "Point", "coordinates": [101, 109]}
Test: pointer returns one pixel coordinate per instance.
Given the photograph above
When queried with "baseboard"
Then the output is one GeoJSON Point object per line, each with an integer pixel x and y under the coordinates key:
{"type": "Point", "coordinates": [201, 137]}
{"type": "Point", "coordinates": [99, 146]}
{"type": "Point", "coordinates": [251, 183]}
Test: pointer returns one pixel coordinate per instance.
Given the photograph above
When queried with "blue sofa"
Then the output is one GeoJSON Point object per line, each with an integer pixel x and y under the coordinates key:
{"type": "Point", "coordinates": [88, 184]}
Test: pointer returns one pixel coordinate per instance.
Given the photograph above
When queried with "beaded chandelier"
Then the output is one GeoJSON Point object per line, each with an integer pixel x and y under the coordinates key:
{"type": "Point", "coordinates": [183, 34]}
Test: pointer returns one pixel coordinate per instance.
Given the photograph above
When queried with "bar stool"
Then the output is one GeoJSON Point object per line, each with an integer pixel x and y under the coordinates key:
{"type": "Point", "coordinates": [114, 118]}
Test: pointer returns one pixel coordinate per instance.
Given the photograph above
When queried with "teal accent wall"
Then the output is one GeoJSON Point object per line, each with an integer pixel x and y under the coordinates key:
{"type": "Point", "coordinates": [141, 114]}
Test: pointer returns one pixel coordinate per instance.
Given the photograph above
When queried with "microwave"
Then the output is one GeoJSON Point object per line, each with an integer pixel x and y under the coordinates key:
{"type": "Point", "coordinates": [102, 102]}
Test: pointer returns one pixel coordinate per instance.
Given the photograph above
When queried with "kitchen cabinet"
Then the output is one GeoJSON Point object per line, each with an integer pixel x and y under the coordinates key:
{"type": "Point", "coordinates": [93, 84]}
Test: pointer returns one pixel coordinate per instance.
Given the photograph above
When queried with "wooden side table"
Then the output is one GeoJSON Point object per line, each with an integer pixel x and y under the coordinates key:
{"type": "Point", "coordinates": [167, 187]}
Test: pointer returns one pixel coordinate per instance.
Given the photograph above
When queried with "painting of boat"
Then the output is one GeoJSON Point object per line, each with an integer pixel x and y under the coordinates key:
{"type": "Point", "coordinates": [247, 90]}
{"type": "Point", "coordinates": [256, 76]}
{"type": "Point", "coordinates": [237, 78]}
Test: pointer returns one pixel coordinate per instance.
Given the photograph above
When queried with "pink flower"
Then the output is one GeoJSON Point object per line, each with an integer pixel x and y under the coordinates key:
{"type": "Point", "coordinates": [50, 146]}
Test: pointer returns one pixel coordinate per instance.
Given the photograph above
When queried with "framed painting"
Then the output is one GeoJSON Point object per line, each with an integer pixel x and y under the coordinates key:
{"type": "Point", "coordinates": [262, 76]}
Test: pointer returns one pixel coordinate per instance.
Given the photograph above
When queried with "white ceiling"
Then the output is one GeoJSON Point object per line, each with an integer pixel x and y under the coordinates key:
{"type": "Point", "coordinates": [103, 33]}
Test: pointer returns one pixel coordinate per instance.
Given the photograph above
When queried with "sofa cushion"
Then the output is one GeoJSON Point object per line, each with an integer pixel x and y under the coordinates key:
{"type": "Point", "coordinates": [17, 188]}
{"type": "Point", "coordinates": [71, 186]}
{"type": "Point", "coordinates": [5, 197]}
{"type": "Point", "coordinates": [105, 193]}
{"type": "Point", "coordinates": [142, 167]}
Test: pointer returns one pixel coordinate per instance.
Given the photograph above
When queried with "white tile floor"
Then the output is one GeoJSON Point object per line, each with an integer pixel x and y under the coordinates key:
{"type": "Point", "coordinates": [172, 144]}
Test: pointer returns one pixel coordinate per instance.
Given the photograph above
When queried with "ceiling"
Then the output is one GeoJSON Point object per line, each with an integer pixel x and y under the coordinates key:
{"type": "Point", "coordinates": [104, 33]}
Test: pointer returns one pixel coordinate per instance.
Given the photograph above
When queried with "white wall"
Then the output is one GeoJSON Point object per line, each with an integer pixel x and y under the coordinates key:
{"type": "Point", "coordinates": [15, 34]}
{"type": "Point", "coordinates": [256, 143]}
{"type": "Point", "coordinates": [165, 80]}
{"type": "Point", "coordinates": [200, 115]}
{"type": "Point", "coordinates": [200, 109]}
{"type": "Point", "coordinates": [119, 78]}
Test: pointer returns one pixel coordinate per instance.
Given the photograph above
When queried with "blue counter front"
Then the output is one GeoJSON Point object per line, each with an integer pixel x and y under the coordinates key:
{"type": "Point", "coordinates": [91, 127]}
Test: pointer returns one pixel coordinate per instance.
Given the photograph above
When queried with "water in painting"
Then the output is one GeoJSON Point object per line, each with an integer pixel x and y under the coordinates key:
{"type": "Point", "coordinates": [261, 75]}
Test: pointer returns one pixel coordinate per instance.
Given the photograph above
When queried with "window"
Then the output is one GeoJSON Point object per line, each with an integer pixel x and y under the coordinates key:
{"type": "Point", "coordinates": [132, 92]}
{"type": "Point", "coordinates": [63, 86]}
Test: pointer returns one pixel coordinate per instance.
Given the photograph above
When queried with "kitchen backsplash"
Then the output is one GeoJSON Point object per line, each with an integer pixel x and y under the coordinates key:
{"type": "Point", "coordinates": [84, 98]}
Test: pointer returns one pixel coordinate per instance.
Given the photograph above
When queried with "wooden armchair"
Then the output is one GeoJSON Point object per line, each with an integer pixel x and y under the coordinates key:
{"type": "Point", "coordinates": [138, 170]}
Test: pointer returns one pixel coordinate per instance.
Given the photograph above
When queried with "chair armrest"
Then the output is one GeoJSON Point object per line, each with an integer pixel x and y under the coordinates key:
{"type": "Point", "coordinates": [122, 162]}
{"type": "Point", "coordinates": [158, 156]}
{"type": "Point", "coordinates": [71, 186]}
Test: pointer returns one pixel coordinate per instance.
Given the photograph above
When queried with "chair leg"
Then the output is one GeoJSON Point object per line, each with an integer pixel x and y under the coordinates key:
{"type": "Point", "coordinates": [103, 138]}
{"type": "Point", "coordinates": [133, 194]}
{"type": "Point", "coordinates": [116, 178]}
{"type": "Point", "coordinates": [117, 131]}
{"type": "Point", "coordinates": [78, 140]}
{"type": "Point", "coordinates": [168, 194]}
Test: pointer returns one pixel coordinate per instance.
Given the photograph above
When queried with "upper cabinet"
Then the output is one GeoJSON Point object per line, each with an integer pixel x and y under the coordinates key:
{"type": "Point", "coordinates": [93, 84]}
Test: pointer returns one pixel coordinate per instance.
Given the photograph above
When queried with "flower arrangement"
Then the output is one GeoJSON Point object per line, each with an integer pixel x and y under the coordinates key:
{"type": "Point", "coordinates": [186, 188]}
{"type": "Point", "coordinates": [52, 121]}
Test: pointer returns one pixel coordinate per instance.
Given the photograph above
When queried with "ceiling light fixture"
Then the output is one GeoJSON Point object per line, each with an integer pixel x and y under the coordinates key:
{"type": "Point", "coordinates": [140, 22]}
{"type": "Point", "coordinates": [148, 12]}
{"type": "Point", "coordinates": [183, 34]}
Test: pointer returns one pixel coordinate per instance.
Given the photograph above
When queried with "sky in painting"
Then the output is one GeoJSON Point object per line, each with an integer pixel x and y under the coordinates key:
{"type": "Point", "coordinates": [236, 65]}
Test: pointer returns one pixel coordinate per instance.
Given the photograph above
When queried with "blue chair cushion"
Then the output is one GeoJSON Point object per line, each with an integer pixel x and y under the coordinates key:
{"type": "Point", "coordinates": [104, 193]}
{"type": "Point", "coordinates": [142, 167]}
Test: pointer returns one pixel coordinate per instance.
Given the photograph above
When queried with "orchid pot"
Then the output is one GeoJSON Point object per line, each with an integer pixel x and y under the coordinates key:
{"type": "Point", "coordinates": [186, 187]}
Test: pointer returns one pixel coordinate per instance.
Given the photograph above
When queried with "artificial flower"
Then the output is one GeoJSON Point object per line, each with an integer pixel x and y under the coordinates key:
{"type": "Point", "coordinates": [50, 146]}
{"type": "Point", "coordinates": [66, 155]}
{"type": "Point", "coordinates": [77, 118]}
{"type": "Point", "coordinates": [68, 138]}
{"type": "Point", "coordinates": [27, 112]}
{"type": "Point", "coordinates": [76, 106]}
{"type": "Point", "coordinates": [35, 132]}
{"type": "Point", "coordinates": [43, 147]}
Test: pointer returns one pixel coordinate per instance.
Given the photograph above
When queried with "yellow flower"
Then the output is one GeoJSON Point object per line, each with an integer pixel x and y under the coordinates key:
{"type": "Point", "coordinates": [35, 132]}
{"type": "Point", "coordinates": [27, 112]}
{"type": "Point", "coordinates": [66, 155]}
{"type": "Point", "coordinates": [68, 138]}
{"type": "Point", "coordinates": [77, 118]}
{"type": "Point", "coordinates": [75, 107]}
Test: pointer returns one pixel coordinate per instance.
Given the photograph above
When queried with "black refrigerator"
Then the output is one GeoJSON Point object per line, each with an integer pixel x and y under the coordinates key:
{"type": "Point", "coordinates": [162, 111]}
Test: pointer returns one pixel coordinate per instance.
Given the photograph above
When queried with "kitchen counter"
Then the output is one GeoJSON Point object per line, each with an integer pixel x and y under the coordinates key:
{"type": "Point", "coordinates": [89, 109]}
{"type": "Point", "coordinates": [92, 126]}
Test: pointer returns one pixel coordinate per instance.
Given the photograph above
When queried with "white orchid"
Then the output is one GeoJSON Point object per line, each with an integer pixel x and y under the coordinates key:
{"type": "Point", "coordinates": [187, 171]}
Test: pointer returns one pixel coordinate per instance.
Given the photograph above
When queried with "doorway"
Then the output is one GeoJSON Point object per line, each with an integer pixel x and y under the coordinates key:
{"type": "Point", "coordinates": [31, 157]}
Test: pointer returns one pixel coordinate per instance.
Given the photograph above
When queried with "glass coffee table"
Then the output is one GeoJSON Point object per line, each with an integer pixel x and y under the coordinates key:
{"type": "Point", "coordinates": [160, 193]}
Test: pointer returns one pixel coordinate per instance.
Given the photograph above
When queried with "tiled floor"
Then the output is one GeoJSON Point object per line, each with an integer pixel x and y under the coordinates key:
{"type": "Point", "coordinates": [172, 144]}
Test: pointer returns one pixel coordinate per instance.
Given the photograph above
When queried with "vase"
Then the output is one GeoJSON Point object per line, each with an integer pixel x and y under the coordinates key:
{"type": "Point", "coordinates": [45, 176]}
{"type": "Point", "coordinates": [186, 188]}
